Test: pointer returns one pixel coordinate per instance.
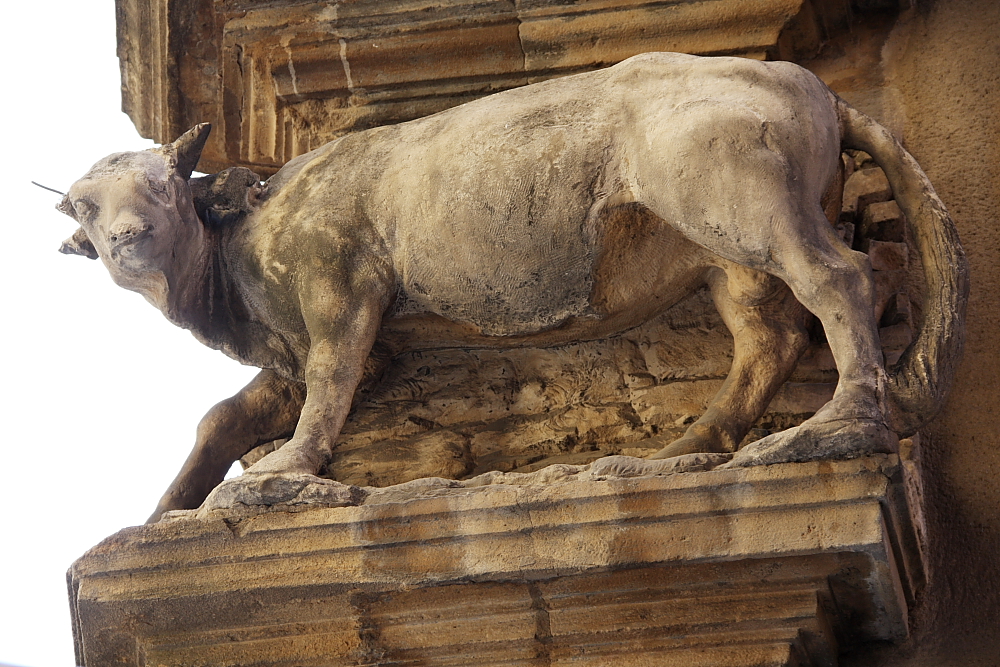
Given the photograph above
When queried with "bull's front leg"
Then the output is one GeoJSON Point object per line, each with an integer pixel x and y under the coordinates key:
{"type": "Point", "coordinates": [342, 322]}
{"type": "Point", "coordinates": [265, 410]}
{"type": "Point", "coordinates": [333, 372]}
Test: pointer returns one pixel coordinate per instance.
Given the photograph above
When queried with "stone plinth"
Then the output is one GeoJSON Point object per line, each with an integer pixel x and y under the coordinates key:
{"type": "Point", "coordinates": [778, 565]}
{"type": "Point", "coordinates": [281, 77]}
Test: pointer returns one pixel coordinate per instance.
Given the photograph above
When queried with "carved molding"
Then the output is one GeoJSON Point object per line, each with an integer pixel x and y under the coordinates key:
{"type": "Point", "coordinates": [281, 78]}
{"type": "Point", "coordinates": [776, 565]}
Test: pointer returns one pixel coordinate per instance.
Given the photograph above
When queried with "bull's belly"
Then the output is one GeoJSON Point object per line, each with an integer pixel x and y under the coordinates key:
{"type": "Point", "coordinates": [639, 269]}
{"type": "Point", "coordinates": [426, 330]}
{"type": "Point", "coordinates": [517, 295]}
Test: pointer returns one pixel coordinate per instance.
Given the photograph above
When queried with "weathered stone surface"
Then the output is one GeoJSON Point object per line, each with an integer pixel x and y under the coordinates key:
{"type": "Point", "coordinates": [580, 402]}
{"type": "Point", "coordinates": [282, 78]}
{"type": "Point", "coordinates": [780, 565]}
{"type": "Point", "coordinates": [566, 211]}
{"type": "Point", "coordinates": [865, 187]}
{"type": "Point", "coordinates": [295, 75]}
{"type": "Point", "coordinates": [888, 255]}
{"type": "Point", "coordinates": [932, 77]}
{"type": "Point", "coordinates": [883, 221]}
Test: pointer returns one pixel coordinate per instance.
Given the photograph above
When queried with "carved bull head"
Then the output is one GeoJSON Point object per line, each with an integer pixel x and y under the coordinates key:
{"type": "Point", "coordinates": [136, 215]}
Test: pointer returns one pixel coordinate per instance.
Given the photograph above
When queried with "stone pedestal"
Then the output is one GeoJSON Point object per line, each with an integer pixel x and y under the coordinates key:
{"type": "Point", "coordinates": [778, 565]}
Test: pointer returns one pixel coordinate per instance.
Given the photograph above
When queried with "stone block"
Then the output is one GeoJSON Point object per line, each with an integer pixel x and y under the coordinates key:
{"type": "Point", "coordinates": [865, 187]}
{"type": "Point", "coordinates": [888, 284]}
{"type": "Point", "coordinates": [283, 77]}
{"type": "Point", "coordinates": [431, 453]}
{"type": "Point", "coordinates": [777, 565]}
{"type": "Point", "coordinates": [897, 311]}
{"type": "Point", "coordinates": [884, 221]}
{"type": "Point", "coordinates": [896, 337]}
{"type": "Point", "coordinates": [888, 255]}
{"type": "Point", "coordinates": [801, 398]}
{"type": "Point", "coordinates": [816, 365]}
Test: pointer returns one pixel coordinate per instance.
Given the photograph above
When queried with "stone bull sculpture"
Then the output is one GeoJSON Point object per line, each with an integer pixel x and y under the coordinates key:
{"type": "Point", "coordinates": [511, 221]}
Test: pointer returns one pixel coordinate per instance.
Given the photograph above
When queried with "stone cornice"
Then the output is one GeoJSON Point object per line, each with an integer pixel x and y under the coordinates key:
{"type": "Point", "coordinates": [790, 560]}
{"type": "Point", "coordinates": [281, 78]}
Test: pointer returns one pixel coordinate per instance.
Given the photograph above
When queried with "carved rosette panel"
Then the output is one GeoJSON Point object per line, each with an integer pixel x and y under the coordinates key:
{"type": "Point", "coordinates": [281, 78]}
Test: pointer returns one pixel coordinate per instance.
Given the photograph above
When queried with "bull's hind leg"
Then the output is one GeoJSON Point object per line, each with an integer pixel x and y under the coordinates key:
{"type": "Point", "coordinates": [769, 334]}
{"type": "Point", "coordinates": [835, 283]}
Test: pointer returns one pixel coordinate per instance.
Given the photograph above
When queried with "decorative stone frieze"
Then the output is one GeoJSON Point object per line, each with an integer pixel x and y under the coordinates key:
{"type": "Point", "coordinates": [777, 565]}
{"type": "Point", "coordinates": [281, 78]}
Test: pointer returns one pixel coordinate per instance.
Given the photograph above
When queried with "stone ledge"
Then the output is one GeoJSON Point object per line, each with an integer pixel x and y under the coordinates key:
{"type": "Point", "coordinates": [282, 77]}
{"type": "Point", "coordinates": [770, 565]}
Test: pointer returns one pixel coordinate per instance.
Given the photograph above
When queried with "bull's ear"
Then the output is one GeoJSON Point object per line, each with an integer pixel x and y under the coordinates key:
{"type": "Point", "coordinates": [79, 244]}
{"type": "Point", "coordinates": [188, 147]}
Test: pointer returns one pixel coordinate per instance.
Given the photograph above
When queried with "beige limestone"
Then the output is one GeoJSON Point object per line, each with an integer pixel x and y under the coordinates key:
{"type": "Point", "coordinates": [569, 210]}
{"type": "Point", "coordinates": [931, 76]}
{"type": "Point", "coordinates": [777, 565]}
{"type": "Point", "coordinates": [422, 419]}
{"type": "Point", "coordinates": [281, 78]}
{"type": "Point", "coordinates": [453, 413]}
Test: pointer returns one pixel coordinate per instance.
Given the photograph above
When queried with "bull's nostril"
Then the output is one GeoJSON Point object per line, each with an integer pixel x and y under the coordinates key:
{"type": "Point", "coordinates": [114, 237]}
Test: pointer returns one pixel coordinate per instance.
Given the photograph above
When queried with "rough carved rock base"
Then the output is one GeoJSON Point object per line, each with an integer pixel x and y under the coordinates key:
{"type": "Point", "coordinates": [773, 565]}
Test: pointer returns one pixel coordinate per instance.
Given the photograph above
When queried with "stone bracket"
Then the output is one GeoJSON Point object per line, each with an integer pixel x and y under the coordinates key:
{"type": "Point", "coordinates": [783, 565]}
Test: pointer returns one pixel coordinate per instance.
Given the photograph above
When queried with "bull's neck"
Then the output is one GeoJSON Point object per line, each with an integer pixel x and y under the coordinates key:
{"type": "Point", "coordinates": [204, 299]}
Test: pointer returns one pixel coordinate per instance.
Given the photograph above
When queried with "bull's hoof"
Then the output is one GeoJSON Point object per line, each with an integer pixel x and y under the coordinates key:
{"type": "Point", "coordinates": [705, 436]}
{"type": "Point", "coordinates": [257, 493]}
{"type": "Point", "coordinates": [832, 440]}
{"type": "Point", "coordinates": [687, 446]}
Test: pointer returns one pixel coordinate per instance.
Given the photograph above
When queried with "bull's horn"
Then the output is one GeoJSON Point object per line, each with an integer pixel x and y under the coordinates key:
{"type": "Point", "coordinates": [65, 206]}
{"type": "Point", "coordinates": [79, 244]}
{"type": "Point", "coordinates": [187, 149]}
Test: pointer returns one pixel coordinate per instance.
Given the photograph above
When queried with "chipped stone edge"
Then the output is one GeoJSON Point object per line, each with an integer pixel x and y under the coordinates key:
{"type": "Point", "coordinates": [316, 495]}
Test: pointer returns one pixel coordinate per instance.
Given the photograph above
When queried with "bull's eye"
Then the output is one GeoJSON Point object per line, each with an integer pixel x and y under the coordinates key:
{"type": "Point", "coordinates": [84, 209]}
{"type": "Point", "coordinates": [159, 188]}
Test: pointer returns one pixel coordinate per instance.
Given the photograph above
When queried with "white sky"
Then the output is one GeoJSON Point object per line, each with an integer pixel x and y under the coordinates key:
{"type": "Point", "coordinates": [101, 395]}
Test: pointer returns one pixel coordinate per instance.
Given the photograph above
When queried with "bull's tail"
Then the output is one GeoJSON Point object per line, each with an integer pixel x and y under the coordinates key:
{"type": "Point", "coordinates": [919, 381]}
